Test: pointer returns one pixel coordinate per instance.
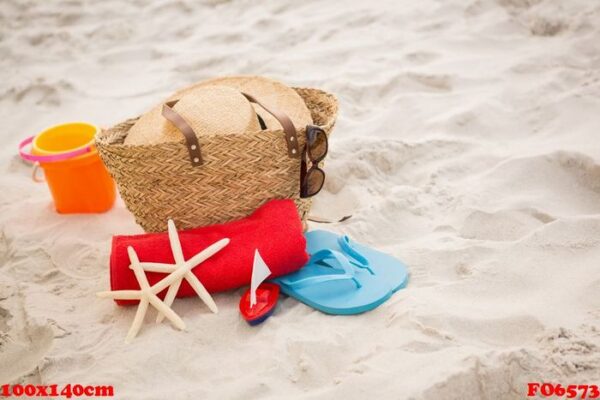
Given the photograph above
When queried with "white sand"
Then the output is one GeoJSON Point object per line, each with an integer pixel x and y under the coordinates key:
{"type": "Point", "coordinates": [467, 145]}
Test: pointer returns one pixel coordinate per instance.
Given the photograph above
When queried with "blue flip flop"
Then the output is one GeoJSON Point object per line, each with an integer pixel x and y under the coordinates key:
{"type": "Point", "coordinates": [389, 269]}
{"type": "Point", "coordinates": [331, 284]}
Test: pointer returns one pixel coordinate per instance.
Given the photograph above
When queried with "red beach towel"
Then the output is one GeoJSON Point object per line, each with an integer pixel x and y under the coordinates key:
{"type": "Point", "coordinates": [275, 229]}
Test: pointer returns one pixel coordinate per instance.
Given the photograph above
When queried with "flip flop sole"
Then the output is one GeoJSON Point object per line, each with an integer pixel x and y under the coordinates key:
{"type": "Point", "coordinates": [336, 297]}
{"type": "Point", "coordinates": [387, 267]}
{"type": "Point", "coordinates": [394, 270]}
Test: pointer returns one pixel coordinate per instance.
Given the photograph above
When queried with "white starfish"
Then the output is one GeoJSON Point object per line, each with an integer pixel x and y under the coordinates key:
{"type": "Point", "coordinates": [188, 276]}
{"type": "Point", "coordinates": [148, 294]}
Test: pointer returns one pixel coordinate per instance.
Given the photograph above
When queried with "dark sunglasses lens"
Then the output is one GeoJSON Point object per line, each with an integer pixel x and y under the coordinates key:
{"type": "Point", "coordinates": [314, 182]}
{"type": "Point", "coordinates": [317, 144]}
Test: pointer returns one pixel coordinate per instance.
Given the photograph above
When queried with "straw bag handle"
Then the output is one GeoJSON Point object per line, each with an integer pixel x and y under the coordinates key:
{"type": "Point", "coordinates": [288, 126]}
{"type": "Point", "coordinates": [191, 139]}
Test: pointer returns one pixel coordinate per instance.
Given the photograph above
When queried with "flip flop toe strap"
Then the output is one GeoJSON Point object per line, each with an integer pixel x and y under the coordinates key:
{"type": "Point", "coordinates": [326, 258]}
{"type": "Point", "coordinates": [357, 258]}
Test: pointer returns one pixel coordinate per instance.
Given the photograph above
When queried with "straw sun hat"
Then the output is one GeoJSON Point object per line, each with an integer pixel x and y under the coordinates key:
{"type": "Point", "coordinates": [222, 106]}
{"type": "Point", "coordinates": [269, 92]}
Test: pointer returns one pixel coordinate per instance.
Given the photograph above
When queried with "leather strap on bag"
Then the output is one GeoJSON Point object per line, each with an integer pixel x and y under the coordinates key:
{"type": "Point", "coordinates": [288, 126]}
{"type": "Point", "coordinates": [190, 136]}
{"type": "Point", "coordinates": [191, 139]}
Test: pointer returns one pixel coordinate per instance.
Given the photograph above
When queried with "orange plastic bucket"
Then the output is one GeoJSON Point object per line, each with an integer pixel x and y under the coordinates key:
{"type": "Point", "coordinates": [75, 174]}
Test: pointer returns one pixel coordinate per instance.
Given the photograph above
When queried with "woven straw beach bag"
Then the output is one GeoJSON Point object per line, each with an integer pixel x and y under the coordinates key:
{"type": "Point", "coordinates": [224, 175]}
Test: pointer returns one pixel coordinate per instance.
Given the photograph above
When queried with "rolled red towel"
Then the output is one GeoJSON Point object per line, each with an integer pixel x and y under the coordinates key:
{"type": "Point", "coordinates": [275, 229]}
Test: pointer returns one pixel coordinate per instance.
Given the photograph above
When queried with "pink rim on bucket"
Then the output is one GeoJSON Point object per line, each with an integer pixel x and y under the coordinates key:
{"type": "Point", "coordinates": [50, 158]}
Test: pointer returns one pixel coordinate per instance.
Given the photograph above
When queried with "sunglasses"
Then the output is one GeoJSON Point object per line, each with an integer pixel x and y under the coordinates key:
{"type": "Point", "coordinates": [315, 150]}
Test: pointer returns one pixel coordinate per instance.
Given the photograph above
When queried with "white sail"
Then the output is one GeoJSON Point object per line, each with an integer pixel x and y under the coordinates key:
{"type": "Point", "coordinates": [260, 272]}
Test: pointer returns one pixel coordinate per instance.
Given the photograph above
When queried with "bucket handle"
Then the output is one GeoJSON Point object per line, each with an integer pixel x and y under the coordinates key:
{"type": "Point", "coordinates": [34, 173]}
{"type": "Point", "coordinates": [191, 139]}
{"type": "Point", "coordinates": [49, 158]}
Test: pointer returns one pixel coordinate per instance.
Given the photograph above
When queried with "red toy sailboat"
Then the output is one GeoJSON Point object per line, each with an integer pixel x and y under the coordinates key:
{"type": "Point", "coordinates": [258, 302]}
